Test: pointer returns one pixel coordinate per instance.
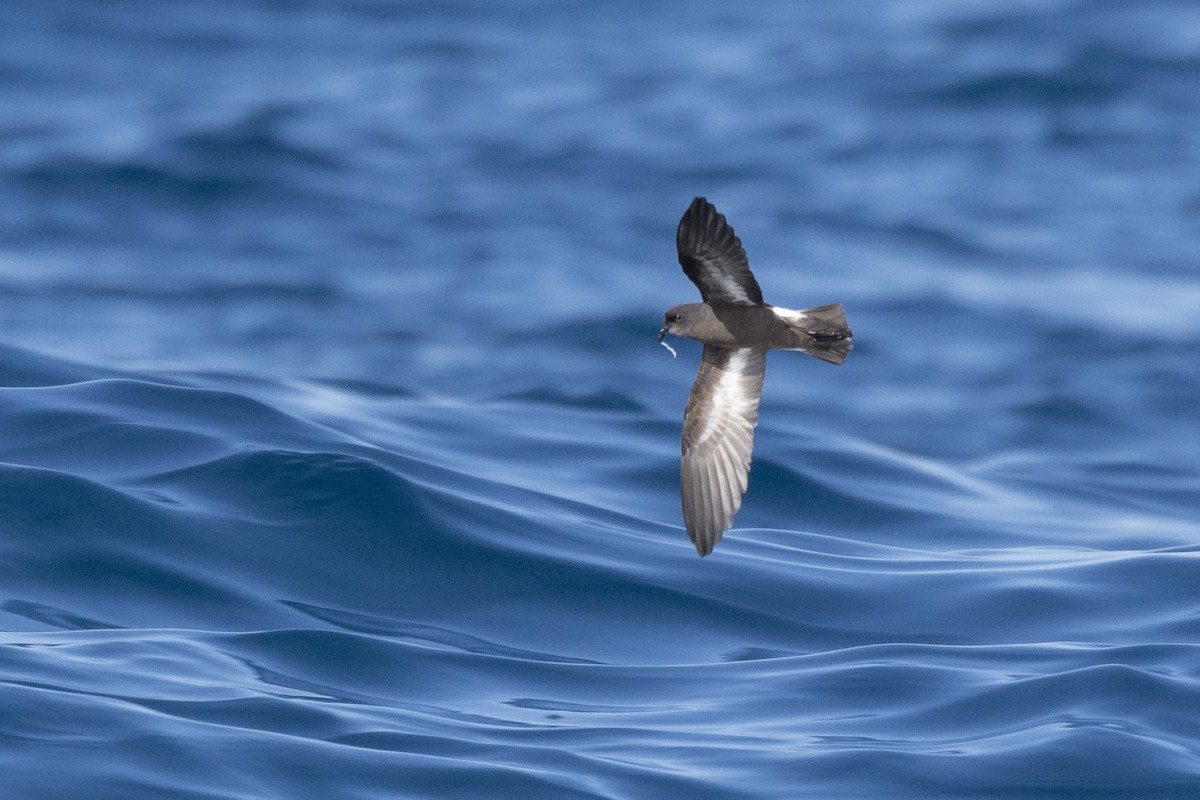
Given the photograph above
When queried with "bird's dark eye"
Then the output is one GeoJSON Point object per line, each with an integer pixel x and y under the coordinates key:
{"type": "Point", "coordinates": [673, 316]}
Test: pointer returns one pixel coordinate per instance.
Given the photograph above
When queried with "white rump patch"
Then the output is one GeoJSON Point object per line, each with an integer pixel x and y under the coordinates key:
{"type": "Point", "coordinates": [789, 316]}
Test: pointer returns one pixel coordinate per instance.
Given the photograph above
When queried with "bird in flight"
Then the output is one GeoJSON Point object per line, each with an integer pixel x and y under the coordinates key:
{"type": "Point", "coordinates": [737, 329]}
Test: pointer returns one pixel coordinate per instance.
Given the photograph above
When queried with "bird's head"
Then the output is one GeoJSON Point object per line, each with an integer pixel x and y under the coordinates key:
{"type": "Point", "coordinates": [684, 320]}
{"type": "Point", "coordinates": [680, 321]}
{"type": "Point", "coordinates": [670, 319]}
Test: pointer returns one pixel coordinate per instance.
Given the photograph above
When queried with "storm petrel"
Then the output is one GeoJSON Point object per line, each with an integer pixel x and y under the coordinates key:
{"type": "Point", "coordinates": [737, 329]}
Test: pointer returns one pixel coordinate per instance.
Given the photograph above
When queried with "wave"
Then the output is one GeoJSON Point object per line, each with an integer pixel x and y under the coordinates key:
{"type": "Point", "coordinates": [364, 714]}
{"type": "Point", "coordinates": [358, 584]}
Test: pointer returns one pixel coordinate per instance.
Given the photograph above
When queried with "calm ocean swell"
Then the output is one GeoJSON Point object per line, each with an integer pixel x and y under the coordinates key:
{"type": "Point", "coordinates": [233, 579]}
{"type": "Point", "coordinates": [338, 457]}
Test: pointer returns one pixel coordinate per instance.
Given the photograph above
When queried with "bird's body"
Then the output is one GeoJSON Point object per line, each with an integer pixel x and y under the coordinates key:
{"type": "Point", "coordinates": [737, 329]}
{"type": "Point", "coordinates": [816, 331]}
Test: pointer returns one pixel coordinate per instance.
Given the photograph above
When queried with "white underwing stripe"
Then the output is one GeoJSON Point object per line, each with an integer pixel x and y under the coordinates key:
{"type": "Point", "coordinates": [730, 402]}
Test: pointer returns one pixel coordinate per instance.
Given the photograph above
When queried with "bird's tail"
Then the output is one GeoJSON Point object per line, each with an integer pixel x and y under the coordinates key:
{"type": "Point", "coordinates": [828, 335]}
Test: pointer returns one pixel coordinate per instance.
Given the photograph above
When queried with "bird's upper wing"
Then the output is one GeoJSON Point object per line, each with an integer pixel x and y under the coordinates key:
{"type": "Point", "coordinates": [718, 437]}
{"type": "Point", "coordinates": [712, 256]}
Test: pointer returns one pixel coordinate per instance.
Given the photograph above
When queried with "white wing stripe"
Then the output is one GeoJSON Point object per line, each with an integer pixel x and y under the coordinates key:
{"type": "Point", "coordinates": [729, 401]}
{"type": "Point", "coordinates": [727, 282]}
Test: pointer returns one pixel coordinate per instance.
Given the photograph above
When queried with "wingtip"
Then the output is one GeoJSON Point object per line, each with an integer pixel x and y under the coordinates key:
{"type": "Point", "coordinates": [695, 217]}
{"type": "Point", "coordinates": [702, 538]}
{"type": "Point", "coordinates": [700, 213]}
{"type": "Point", "coordinates": [703, 542]}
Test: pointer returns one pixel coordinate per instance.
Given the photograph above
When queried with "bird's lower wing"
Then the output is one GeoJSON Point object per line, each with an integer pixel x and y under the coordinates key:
{"type": "Point", "coordinates": [718, 437]}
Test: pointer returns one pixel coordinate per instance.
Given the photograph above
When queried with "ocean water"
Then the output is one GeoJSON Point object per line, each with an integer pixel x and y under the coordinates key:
{"type": "Point", "coordinates": [338, 457]}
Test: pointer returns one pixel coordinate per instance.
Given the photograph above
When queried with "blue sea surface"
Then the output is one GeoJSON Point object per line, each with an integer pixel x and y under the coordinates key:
{"type": "Point", "coordinates": [338, 458]}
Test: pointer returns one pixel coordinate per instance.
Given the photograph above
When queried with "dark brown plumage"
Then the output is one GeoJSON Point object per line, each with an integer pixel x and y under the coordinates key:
{"type": "Point", "coordinates": [737, 330]}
